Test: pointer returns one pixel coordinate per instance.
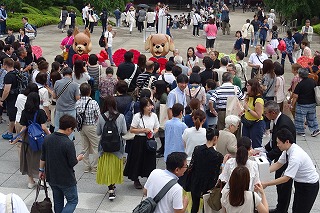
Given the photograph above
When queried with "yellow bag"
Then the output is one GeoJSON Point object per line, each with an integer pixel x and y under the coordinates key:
{"type": "Point", "coordinates": [65, 54]}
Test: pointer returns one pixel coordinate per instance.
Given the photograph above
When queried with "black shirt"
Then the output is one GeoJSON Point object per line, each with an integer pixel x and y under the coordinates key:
{"type": "Point", "coordinates": [28, 116]}
{"type": "Point", "coordinates": [9, 39]}
{"type": "Point", "coordinates": [125, 70]}
{"type": "Point", "coordinates": [11, 78]}
{"type": "Point", "coordinates": [216, 64]}
{"type": "Point", "coordinates": [305, 91]}
{"type": "Point", "coordinates": [256, 25]}
{"type": "Point", "coordinates": [59, 153]}
{"type": "Point", "coordinates": [123, 101]}
{"type": "Point", "coordinates": [298, 37]}
{"type": "Point", "coordinates": [208, 74]}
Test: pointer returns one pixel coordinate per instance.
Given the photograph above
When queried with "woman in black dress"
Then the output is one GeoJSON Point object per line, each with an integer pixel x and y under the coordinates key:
{"type": "Point", "coordinates": [205, 168]}
{"type": "Point", "coordinates": [141, 161]}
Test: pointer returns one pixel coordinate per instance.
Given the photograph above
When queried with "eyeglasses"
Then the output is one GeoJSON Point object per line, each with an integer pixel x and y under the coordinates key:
{"type": "Point", "coordinates": [186, 166]}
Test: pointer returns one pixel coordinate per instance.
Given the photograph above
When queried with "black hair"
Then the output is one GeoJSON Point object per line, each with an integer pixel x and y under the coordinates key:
{"type": "Point", "coordinates": [128, 56]}
{"type": "Point", "coordinates": [245, 142]}
{"type": "Point", "coordinates": [208, 62]}
{"type": "Point", "coordinates": [122, 87]}
{"type": "Point", "coordinates": [289, 33]}
{"type": "Point", "coordinates": [211, 133]}
{"type": "Point", "coordinates": [169, 66]}
{"type": "Point", "coordinates": [211, 84]}
{"type": "Point", "coordinates": [195, 69]}
{"type": "Point", "coordinates": [176, 70]}
{"type": "Point", "coordinates": [177, 109]}
{"type": "Point", "coordinates": [143, 103]}
{"type": "Point", "coordinates": [242, 156]}
{"type": "Point", "coordinates": [161, 87]}
{"type": "Point", "coordinates": [156, 66]}
{"type": "Point", "coordinates": [316, 60]}
{"type": "Point", "coordinates": [42, 78]}
{"type": "Point", "coordinates": [175, 160]}
{"type": "Point", "coordinates": [239, 33]}
{"type": "Point", "coordinates": [32, 87]}
{"type": "Point", "coordinates": [33, 102]}
{"type": "Point", "coordinates": [67, 121]}
{"type": "Point", "coordinates": [195, 78]}
{"type": "Point", "coordinates": [194, 56]}
{"type": "Point", "coordinates": [93, 59]}
{"type": "Point", "coordinates": [85, 89]}
{"type": "Point", "coordinates": [278, 68]}
{"type": "Point", "coordinates": [145, 93]}
{"type": "Point", "coordinates": [6, 47]}
{"type": "Point", "coordinates": [182, 78]}
{"type": "Point", "coordinates": [284, 134]}
{"type": "Point", "coordinates": [240, 54]}
{"type": "Point", "coordinates": [59, 59]}
{"type": "Point", "coordinates": [109, 70]}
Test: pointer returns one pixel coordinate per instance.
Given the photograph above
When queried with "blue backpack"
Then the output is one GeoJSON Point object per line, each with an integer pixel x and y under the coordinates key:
{"type": "Point", "coordinates": [35, 134]}
{"type": "Point", "coordinates": [128, 114]}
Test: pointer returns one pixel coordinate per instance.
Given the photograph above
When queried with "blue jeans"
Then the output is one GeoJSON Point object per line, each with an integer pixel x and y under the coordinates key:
{"type": "Point", "coordinates": [118, 22]}
{"type": "Point", "coordinates": [256, 37]}
{"type": "Point", "coordinates": [57, 117]}
{"type": "Point", "coordinates": [283, 58]}
{"type": "Point", "coordinates": [306, 112]}
{"type": "Point", "coordinates": [71, 194]}
{"type": "Point", "coordinates": [109, 51]}
{"type": "Point", "coordinates": [255, 133]}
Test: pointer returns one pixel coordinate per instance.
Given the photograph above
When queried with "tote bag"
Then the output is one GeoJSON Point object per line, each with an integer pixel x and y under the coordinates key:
{"type": "Point", "coordinates": [68, 21]}
{"type": "Point", "coordinates": [163, 115]}
{"type": "Point", "coordinates": [234, 107]}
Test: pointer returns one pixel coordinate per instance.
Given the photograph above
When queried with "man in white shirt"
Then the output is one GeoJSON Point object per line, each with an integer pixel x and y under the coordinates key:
{"type": "Point", "coordinates": [109, 35]}
{"type": "Point", "coordinates": [85, 15]}
{"type": "Point", "coordinates": [256, 60]}
{"type": "Point", "coordinates": [168, 77]}
{"type": "Point", "coordinates": [307, 32]}
{"type": "Point", "coordinates": [196, 23]}
{"type": "Point", "coordinates": [300, 168]}
{"type": "Point", "coordinates": [12, 203]}
{"type": "Point", "coordinates": [173, 201]}
{"type": "Point", "coordinates": [247, 34]}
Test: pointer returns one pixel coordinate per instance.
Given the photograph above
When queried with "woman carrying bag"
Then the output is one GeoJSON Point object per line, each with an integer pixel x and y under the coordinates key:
{"type": "Point", "coordinates": [63, 18]}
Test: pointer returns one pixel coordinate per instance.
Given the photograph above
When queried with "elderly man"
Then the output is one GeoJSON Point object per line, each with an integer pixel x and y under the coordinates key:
{"type": "Point", "coordinates": [227, 142]}
{"type": "Point", "coordinates": [220, 96]}
{"type": "Point", "coordinates": [307, 32]}
{"type": "Point", "coordinates": [256, 60]}
{"type": "Point", "coordinates": [178, 60]}
{"type": "Point", "coordinates": [281, 121]}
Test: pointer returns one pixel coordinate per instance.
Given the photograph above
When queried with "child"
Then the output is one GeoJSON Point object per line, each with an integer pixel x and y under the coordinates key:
{"type": "Point", "coordinates": [238, 45]}
{"type": "Point", "coordinates": [274, 40]}
{"type": "Point", "coordinates": [211, 118]}
{"type": "Point", "coordinates": [264, 27]}
{"type": "Point", "coordinates": [296, 79]}
{"type": "Point", "coordinates": [280, 83]}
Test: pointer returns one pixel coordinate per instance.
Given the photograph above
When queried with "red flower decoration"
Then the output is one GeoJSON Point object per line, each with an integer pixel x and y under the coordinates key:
{"type": "Point", "coordinates": [161, 61]}
{"type": "Point", "coordinates": [118, 56]}
{"type": "Point", "coordinates": [305, 61]}
{"type": "Point", "coordinates": [104, 54]}
{"type": "Point", "coordinates": [83, 57]}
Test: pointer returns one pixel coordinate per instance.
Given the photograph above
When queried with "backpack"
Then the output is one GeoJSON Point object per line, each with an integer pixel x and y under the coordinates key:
{"type": "Point", "coordinates": [104, 16]}
{"type": "Point", "coordinates": [102, 41]}
{"type": "Point", "coordinates": [80, 117]}
{"type": "Point", "coordinates": [314, 75]}
{"type": "Point", "coordinates": [128, 114]}
{"type": "Point", "coordinates": [169, 86]}
{"type": "Point", "coordinates": [35, 29]}
{"type": "Point", "coordinates": [110, 140]}
{"type": "Point", "coordinates": [188, 109]}
{"type": "Point", "coordinates": [23, 81]}
{"type": "Point", "coordinates": [149, 204]}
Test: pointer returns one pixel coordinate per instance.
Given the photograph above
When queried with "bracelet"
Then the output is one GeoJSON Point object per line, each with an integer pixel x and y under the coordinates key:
{"type": "Point", "coordinates": [41, 170]}
{"type": "Point", "coordinates": [222, 165]}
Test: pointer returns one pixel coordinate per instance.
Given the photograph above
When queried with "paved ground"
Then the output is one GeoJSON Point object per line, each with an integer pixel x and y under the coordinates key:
{"type": "Point", "coordinates": [93, 197]}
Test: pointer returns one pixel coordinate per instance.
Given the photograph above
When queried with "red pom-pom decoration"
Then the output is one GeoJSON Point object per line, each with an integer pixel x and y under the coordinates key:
{"type": "Point", "coordinates": [118, 56]}
{"type": "Point", "coordinates": [201, 48]}
{"type": "Point", "coordinates": [282, 46]}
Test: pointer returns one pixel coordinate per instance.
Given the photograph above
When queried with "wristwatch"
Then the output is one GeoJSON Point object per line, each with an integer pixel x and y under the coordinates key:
{"type": "Point", "coordinates": [248, 109]}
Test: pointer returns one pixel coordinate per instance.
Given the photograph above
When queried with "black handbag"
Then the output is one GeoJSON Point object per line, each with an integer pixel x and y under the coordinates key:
{"type": "Point", "coordinates": [151, 143]}
{"type": "Point", "coordinates": [44, 206]}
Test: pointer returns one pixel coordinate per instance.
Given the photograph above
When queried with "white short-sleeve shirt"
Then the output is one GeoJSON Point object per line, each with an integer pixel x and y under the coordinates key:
{"type": "Point", "coordinates": [193, 137]}
{"type": "Point", "coordinates": [300, 166]}
{"type": "Point", "coordinates": [257, 59]}
{"type": "Point", "coordinates": [247, 206]}
{"type": "Point", "coordinates": [157, 179]}
{"type": "Point", "coordinates": [151, 122]}
{"type": "Point", "coordinates": [231, 164]}
{"type": "Point", "coordinates": [109, 36]}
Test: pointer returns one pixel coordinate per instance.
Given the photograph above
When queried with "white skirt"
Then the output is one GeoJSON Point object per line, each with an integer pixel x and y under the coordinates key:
{"type": "Point", "coordinates": [274, 43]}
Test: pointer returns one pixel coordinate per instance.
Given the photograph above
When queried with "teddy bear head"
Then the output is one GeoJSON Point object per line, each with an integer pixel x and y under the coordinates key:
{"type": "Point", "coordinates": [82, 42]}
{"type": "Point", "coordinates": [159, 45]}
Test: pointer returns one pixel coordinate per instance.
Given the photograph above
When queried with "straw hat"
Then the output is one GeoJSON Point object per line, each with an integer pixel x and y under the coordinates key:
{"type": "Point", "coordinates": [131, 8]}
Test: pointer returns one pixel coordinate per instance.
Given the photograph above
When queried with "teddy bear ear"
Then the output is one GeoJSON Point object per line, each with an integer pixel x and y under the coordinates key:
{"type": "Point", "coordinates": [147, 44]}
{"type": "Point", "coordinates": [87, 32]}
{"type": "Point", "coordinates": [76, 31]}
{"type": "Point", "coordinates": [171, 44]}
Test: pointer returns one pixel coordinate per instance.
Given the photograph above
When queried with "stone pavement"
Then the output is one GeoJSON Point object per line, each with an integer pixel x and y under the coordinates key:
{"type": "Point", "coordinates": [93, 197]}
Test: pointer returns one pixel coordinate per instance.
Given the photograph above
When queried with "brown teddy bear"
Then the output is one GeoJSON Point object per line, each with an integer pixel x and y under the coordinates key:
{"type": "Point", "coordinates": [159, 45]}
{"type": "Point", "coordinates": [82, 45]}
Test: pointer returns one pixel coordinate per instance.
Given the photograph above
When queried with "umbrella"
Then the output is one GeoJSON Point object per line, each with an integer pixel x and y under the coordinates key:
{"type": "Point", "coordinates": [143, 5]}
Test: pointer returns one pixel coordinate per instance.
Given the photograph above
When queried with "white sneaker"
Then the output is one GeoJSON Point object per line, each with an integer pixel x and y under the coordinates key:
{"type": "Point", "coordinates": [251, 45]}
{"type": "Point", "coordinates": [31, 185]}
{"type": "Point", "coordinates": [263, 48]}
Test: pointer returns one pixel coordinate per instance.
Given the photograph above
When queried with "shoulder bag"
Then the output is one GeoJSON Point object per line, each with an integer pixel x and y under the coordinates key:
{"type": "Point", "coordinates": [234, 107]}
{"type": "Point", "coordinates": [214, 200]}
{"type": "Point", "coordinates": [64, 89]}
{"type": "Point", "coordinates": [151, 142]}
{"type": "Point", "coordinates": [254, 203]}
{"type": "Point", "coordinates": [257, 72]}
{"type": "Point", "coordinates": [44, 206]}
{"type": "Point", "coordinates": [266, 92]}
{"type": "Point", "coordinates": [97, 92]}
{"type": "Point", "coordinates": [149, 205]}
{"type": "Point", "coordinates": [128, 81]}
{"type": "Point", "coordinates": [80, 117]}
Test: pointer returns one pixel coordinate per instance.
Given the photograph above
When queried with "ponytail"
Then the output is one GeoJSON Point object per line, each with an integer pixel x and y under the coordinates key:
{"type": "Point", "coordinates": [198, 117]}
{"type": "Point", "coordinates": [197, 123]}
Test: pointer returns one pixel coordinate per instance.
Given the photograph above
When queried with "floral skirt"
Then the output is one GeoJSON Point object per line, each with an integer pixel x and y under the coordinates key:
{"type": "Point", "coordinates": [110, 169]}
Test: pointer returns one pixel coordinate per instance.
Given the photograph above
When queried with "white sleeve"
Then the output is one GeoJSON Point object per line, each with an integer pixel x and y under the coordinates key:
{"type": "Point", "coordinates": [156, 124]}
{"type": "Point", "coordinates": [136, 120]}
{"type": "Point", "coordinates": [177, 201]}
{"type": "Point", "coordinates": [225, 174]}
{"type": "Point", "coordinates": [45, 98]}
{"type": "Point", "coordinates": [185, 135]}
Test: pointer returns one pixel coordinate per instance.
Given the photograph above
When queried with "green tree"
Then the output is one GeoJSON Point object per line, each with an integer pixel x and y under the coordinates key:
{"type": "Point", "coordinates": [13, 5]}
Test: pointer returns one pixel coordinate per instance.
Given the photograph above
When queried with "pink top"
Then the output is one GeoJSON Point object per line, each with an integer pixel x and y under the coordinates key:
{"type": "Point", "coordinates": [67, 41]}
{"type": "Point", "coordinates": [307, 52]}
{"type": "Point", "coordinates": [211, 30]}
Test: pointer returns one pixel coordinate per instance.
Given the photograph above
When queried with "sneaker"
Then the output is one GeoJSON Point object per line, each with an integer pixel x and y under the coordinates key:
{"type": "Point", "coordinates": [251, 45]}
{"type": "Point", "coordinates": [263, 48]}
{"type": "Point", "coordinates": [159, 155]}
{"type": "Point", "coordinates": [301, 134]}
{"type": "Point", "coordinates": [112, 195]}
{"type": "Point", "coordinates": [31, 185]}
{"type": "Point", "coordinates": [7, 136]}
{"type": "Point", "coordinates": [315, 133]}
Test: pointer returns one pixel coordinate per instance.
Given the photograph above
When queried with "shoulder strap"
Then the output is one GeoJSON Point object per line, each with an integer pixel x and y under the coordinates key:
{"type": "Point", "coordinates": [104, 117]}
{"type": "Point", "coordinates": [133, 74]}
{"type": "Point", "coordinates": [86, 105]}
{"type": "Point", "coordinates": [9, 203]}
{"type": "Point", "coordinates": [254, 201]}
{"type": "Point", "coordinates": [244, 75]}
{"type": "Point", "coordinates": [64, 89]}
{"type": "Point", "coordinates": [35, 116]}
{"type": "Point", "coordinates": [197, 92]}
{"type": "Point", "coordinates": [259, 59]}
{"type": "Point", "coordinates": [164, 190]}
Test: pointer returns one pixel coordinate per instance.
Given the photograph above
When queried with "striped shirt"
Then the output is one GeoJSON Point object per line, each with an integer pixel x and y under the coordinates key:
{"type": "Point", "coordinates": [92, 112]}
{"type": "Point", "coordinates": [221, 94]}
{"type": "Point", "coordinates": [143, 80]}
{"type": "Point", "coordinates": [3, 73]}
{"type": "Point", "coordinates": [94, 72]}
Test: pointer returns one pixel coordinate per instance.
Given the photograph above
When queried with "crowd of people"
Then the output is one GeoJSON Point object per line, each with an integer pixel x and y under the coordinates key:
{"type": "Point", "coordinates": [185, 106]}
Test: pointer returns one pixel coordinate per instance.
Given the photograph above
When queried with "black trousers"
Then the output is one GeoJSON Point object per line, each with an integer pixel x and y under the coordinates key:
{"type": "Point", "coordinates": [304, 196]}
{"type": "Point", "coordinates": [283, 191]}
{"type": "Point", "coordinates": [247, 43]}
{"type": "Point", "coordinates": [195, 28]}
